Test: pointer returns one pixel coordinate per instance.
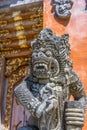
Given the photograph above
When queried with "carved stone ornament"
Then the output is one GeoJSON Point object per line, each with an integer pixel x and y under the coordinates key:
{"type": "Point", "coordinates": [45, 93]}
{"type": "Point", "coordinates": [62, 8]}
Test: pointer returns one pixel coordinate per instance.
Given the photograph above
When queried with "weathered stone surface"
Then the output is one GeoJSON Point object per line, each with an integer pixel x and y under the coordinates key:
{"type": "Point", "coordinates": [62, 8]}
{"type": "Point", "coordinates": [50, 83]}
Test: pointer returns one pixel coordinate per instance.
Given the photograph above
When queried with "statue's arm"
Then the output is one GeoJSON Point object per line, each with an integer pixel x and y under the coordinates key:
{"type": "Point", "coordinates": [75, 111]}
{"type": "Point", "coordinates": [78, 92]}
{"type": "Point", "coordinates": [26, 98]}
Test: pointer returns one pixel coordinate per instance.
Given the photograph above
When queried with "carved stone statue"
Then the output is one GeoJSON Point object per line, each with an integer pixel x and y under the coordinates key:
{"type": "Point", "coordinates": [62, 8]}
{"type": "Point", "coordinates": [47, 90]}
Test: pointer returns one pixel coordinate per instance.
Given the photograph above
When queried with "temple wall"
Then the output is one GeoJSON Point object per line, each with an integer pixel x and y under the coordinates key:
{"type": "Point", "coordinates": [76, 27]}
{"type": "Point", "coordinates": [18, 26]}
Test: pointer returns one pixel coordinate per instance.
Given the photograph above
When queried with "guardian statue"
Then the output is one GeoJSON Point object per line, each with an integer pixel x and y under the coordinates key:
{"type": "Point", "coordinates": [45, 93]}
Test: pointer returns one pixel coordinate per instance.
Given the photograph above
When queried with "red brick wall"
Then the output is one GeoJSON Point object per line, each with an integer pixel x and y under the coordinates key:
{"type": "Point", "coordinates": [77, 29]}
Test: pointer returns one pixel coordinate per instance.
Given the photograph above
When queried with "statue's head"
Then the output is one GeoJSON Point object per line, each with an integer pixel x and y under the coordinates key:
{"type": "Point", "coordinates": [62, 8]}
{"type": "Point", "coordinates": [49, 54]}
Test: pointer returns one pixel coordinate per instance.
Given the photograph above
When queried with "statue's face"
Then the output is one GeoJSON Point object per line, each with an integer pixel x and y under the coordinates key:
{"type": "Point", "coordinates": [44, 63]}
{"type": "Point", "coordinates": [62, 9]}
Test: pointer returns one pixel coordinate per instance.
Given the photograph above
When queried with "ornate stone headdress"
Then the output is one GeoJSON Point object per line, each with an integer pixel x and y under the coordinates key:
{"type": "Point", "coordinates": [59, 45]}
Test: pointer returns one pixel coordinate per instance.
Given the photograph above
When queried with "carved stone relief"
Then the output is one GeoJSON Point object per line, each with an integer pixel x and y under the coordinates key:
{"type": "Point", "coordinates": [45, 93]}
{"type": "Point", "coordinates": [62, 8]}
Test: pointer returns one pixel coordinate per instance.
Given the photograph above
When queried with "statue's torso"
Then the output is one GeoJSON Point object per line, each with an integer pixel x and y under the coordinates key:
{"type": "Point", "coordinates": [53, 119]}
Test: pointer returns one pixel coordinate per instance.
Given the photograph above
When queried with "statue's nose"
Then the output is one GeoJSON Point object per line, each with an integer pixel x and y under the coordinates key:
{"type": "Point", "coordinates": [61, 8]}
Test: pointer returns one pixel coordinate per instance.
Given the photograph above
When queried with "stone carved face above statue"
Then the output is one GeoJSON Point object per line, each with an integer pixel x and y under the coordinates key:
{"type": "Point", "coordinates": [46, 91]}
{"type": "Point", "coordinates": [62, 8]}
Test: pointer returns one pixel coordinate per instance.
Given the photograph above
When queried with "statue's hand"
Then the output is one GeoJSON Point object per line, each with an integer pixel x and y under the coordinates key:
{"type": "Point", "coordinates": [74, 116]}
{"type": "Point", "coordinates": [46, 106]}
{"type": "Point", "coordinates": [40, 109]}
{"type": "Point", "coordinates": [52, 103]}
{"type": "Point", "coordinates": [46, 89]}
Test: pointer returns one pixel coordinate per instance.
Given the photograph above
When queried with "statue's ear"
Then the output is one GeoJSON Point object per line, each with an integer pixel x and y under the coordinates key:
{"type": "Point", "coordinates": [33, 43]}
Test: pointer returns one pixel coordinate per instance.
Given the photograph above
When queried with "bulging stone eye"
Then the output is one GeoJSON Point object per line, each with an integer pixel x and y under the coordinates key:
{"type": "Point", "coordinates": [49, 53]}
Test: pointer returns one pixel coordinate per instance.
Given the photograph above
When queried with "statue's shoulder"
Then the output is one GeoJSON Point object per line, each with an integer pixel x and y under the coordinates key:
{"type": "Point", "coordinates": [24, 86]}
{"type": "Point", "coordinates": [73, 77]}
{"type": "Point", "coordinates": [29, 81]}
